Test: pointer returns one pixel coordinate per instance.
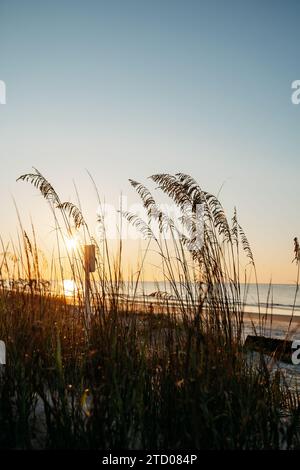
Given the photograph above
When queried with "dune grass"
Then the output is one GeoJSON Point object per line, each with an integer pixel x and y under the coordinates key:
{"type": "Point", "coordinates": [135, 376]}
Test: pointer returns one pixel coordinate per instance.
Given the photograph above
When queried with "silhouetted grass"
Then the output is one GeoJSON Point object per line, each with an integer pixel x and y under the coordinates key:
{"type": "Point", "coordinates": [139, 375]}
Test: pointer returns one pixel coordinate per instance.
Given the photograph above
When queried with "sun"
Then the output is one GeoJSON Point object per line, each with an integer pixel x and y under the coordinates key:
{"type": "Point", "coordinates": [71, 243]}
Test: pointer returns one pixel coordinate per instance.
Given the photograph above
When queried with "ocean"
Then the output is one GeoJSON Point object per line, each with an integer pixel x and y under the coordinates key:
{"type": "Point", "coordinates": [277, 298]}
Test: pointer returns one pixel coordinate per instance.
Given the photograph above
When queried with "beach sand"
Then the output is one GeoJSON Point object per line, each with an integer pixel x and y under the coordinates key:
{"type": "Point", "coordinates": [275, 325]}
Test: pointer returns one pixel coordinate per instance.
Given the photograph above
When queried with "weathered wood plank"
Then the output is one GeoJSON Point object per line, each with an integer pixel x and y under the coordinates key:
{"type": "Point", "coordinates": [279, 348]}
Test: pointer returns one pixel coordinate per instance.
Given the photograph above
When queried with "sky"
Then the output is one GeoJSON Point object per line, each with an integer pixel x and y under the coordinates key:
{"type": "Point", "coordinates": [130, 88]}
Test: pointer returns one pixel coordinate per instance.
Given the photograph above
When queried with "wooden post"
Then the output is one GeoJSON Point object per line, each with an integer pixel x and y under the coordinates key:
{"type": "Point", "coordinates": [89, 267]}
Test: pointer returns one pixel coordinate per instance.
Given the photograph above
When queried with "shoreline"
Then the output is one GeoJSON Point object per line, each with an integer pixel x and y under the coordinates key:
{"type": "Point", "coordinates": [275, 317]}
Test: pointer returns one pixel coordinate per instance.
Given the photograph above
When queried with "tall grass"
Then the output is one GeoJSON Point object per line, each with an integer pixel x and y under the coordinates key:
{"type": "Point", "coordinates": [168, 371]}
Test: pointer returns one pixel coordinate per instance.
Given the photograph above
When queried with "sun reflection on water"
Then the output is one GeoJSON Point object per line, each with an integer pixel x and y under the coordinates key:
{"type": "Point", "coordinates": [69, 287]}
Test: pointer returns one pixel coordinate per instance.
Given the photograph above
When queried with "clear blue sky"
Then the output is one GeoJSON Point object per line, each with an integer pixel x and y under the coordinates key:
{"type": "Point", "coordinates": [130, 88]}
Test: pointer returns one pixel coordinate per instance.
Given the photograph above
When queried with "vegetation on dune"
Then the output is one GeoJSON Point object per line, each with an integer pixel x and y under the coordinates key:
{"type": "Point", "coordinates": [134, 378]}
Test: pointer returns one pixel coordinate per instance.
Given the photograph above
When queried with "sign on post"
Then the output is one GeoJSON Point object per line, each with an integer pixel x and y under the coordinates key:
{"type": "Point", "coordinates": [89, 258]}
